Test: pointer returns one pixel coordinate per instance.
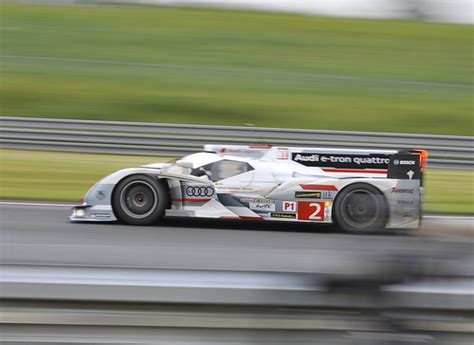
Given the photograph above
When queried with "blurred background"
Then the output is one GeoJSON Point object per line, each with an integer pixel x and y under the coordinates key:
{"type": "Point", "coordinates": [209, 66]}
{"type": "Point", "coordinates": [362, 65]}
{"type": "Point", "coordinates": [386, 72]}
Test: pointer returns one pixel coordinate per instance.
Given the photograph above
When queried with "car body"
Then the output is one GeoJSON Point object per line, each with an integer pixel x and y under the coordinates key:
{"type": "Point", "coordinates": [360, 190]}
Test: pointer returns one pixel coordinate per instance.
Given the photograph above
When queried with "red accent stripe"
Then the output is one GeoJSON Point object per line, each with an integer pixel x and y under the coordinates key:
{"type": "Point", "coordinates": [360, 171]}
{"type": "Point", "coordinates": [242, 217]}
{"type": "Point", "coordinates": [317, 187]}
{"type": "Point", "coordinates": [251, 218]}
{"type": "Point", "coordinates": [192, 200]}
{"type": "Point", "coordinates": [260, 147]}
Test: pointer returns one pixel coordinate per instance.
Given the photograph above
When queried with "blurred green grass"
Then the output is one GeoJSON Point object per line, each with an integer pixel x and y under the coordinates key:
{"type": "Point", "coordinates": [326, 73]}
{"type": "Point", "coordinates": [449, 191]}
{"type": "Point", "coordinates": [58, 176]}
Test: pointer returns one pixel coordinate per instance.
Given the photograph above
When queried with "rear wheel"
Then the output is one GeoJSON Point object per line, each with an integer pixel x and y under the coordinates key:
{"type": "Point", "coordinates": [361, 208]}
{"type": "Point", "coordinates": [140, 200]}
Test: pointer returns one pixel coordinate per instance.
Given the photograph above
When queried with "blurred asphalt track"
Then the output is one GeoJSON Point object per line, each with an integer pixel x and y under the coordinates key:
{"type": "Point", "coordinates": [40, 233]}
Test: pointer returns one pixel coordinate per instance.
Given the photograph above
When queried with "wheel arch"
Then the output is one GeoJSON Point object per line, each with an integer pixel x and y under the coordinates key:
{"type": "Point", "coordinates": [364, 183]}
{"type": "Point", "coordinates": [158, 186]}
{"type": "Point", "coordinates": [160, 180]}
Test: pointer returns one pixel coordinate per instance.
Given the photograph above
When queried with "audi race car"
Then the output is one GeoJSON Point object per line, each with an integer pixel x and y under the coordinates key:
{"type": "Point", "coordinates": [358, 190]}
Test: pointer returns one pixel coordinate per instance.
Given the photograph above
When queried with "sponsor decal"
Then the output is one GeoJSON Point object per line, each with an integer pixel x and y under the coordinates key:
{"type": "Point", "coordinates": [377, 161]}
{"type": "Point", "coordinates": [328, 195]}
{"type": "Point", "coordinates": [100, 194]}
{"type": "Point", "coordinates": [308, 210]}
{"type": "Point", "coordinates": [256, 200]}
{"type": "Point", "coordinates": [308, 195]}
{"type": "Point", "coordinates": [405, 213]}
{"type": "Point", "coordinates": [263, 201]}
{"type": "Point", "coordinates": [283, 154]}
{"type": "Point", "coordinates": [288, 206]}
{"type": "Point", "coordinates": [249, 149]}
{"type": "Point", "coordinates": [283, 215]}
{"type": "Point", "coordinates": [404, 166]}
{"type": "Point", "coordinates": [405, 202]}
{"type": "Point", "coordinates": [402, 190]}
{"type": "Point", "coordinates": [100, 215]}
{"type": "Point", "coordinates": [404, 162]}
{"type": "Point", "coordinates": [262, 206]}
{"type": "Point", "coordinates": [200, 191]}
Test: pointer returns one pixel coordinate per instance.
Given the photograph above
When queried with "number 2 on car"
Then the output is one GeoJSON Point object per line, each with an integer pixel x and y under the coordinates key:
{"type": "Point", "coordinates": [309, 210]}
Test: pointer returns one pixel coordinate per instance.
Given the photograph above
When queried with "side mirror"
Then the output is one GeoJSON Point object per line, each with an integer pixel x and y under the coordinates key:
{"type": "Point", "coordinates": [204, 177]}
{"type": "Point", "coordinates": [185, 164]}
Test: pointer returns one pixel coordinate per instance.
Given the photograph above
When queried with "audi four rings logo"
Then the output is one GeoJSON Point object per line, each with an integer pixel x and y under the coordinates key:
{"type": "Point", "coordinates": [199, 191]}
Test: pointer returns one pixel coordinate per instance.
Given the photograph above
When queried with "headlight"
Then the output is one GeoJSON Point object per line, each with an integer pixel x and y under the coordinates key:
{"type": "Point", "coordinates": [79, 212]}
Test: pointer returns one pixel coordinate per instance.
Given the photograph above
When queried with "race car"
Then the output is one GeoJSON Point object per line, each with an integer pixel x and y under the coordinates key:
{"type": "Point", "coordinates": [358, 190]}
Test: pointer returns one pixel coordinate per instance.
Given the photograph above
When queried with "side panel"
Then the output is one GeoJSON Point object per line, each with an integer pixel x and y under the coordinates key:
{"type": "Point", "coordinates": [306, 200]}
{"type": "Point", "coordinates": [403, 198]}
{"type": "Point", "coordinates": [97, 203]}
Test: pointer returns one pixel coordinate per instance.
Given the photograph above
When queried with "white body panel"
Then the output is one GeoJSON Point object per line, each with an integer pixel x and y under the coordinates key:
{"type": "Point", "coordinates": [259, 182]}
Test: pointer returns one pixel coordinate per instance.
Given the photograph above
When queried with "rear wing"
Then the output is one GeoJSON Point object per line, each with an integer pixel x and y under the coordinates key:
{"type": "Point", "coordinates": [397, 164]}
{"type": "Point", "coordinates": [408, 165]}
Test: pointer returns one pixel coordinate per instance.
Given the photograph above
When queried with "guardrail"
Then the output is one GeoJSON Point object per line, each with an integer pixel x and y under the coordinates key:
{"type": "Point", "coordinates": [218, 287]}
{"type": "Point", "coordinates": [152, 139]}
{"type": "Point", "coordinates": [42, 300]}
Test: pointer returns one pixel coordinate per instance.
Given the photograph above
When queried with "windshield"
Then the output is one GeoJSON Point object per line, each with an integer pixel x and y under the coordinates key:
{"type": "Point", "coordinates": [222, 169]}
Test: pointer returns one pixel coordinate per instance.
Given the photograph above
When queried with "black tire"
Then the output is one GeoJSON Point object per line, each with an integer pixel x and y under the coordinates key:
{"type": "Point", "coordinates": [360, 207]}
{"type": "Point", "coordinates": [140, 200]}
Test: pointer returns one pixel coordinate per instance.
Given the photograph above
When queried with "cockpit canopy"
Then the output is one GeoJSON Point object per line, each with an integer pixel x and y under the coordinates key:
{"type": "Point", "coordinates": [213, 166]}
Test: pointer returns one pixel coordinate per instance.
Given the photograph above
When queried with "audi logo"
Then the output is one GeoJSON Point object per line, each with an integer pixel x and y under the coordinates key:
{"type": "Point", "coordinates": [199, 191]}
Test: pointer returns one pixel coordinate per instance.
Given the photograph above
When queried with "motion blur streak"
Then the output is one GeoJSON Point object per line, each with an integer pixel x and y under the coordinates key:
{"type": "Point", "coordinates": [442, 224]}
{"type": "Point", "coordinates": [203, 66]}
{"type": "Point", "coordinates": [456, 11]}
{"type": "Point", "coordinates": [188, 73]}
{"type": "Point", "coordinates": [293, 75]}
{"type": "Point", "coordinates": [287, 285]}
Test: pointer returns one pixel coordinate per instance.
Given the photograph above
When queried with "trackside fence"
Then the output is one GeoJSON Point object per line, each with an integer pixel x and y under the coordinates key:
{"type": "Point", "coordinates": [162, 139]}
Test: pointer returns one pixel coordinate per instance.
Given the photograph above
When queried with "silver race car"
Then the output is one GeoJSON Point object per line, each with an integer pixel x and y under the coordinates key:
{"type": "Point", "coordinates": [359, 190]}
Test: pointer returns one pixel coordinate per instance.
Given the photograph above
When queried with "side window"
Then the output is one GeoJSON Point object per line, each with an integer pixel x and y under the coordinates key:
{"type": "Point", "coordinates": [222, 169]}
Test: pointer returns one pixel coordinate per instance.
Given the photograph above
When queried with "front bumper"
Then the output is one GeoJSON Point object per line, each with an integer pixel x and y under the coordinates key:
{"type": "Point", "coordinates": [88, 213]}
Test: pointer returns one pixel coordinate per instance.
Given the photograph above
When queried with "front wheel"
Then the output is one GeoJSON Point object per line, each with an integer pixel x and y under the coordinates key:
{"type": "Point", "coordinates": [140, 200]}
{"type": "Point", "coordinates": [361, 208]}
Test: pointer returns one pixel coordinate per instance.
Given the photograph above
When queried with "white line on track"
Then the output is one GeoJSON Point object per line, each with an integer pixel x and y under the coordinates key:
{"type": "Point", "coordinates": [449, 217]}
{"type": "Point", "coordinates": [13, 203]}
